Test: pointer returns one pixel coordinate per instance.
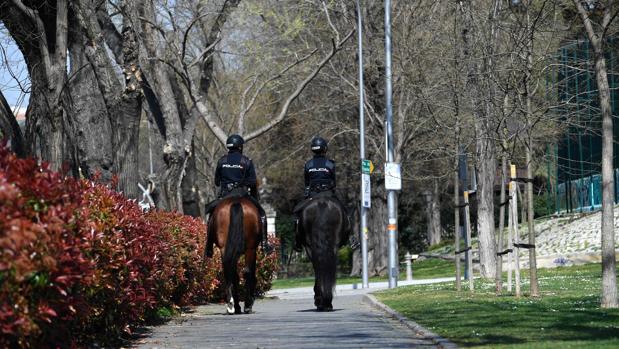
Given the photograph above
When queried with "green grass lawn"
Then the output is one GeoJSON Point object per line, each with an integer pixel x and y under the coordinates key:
{"type": "Point", "coordinates": [566, 316]}
{"type": "Point", "coordinates": [426, 269]}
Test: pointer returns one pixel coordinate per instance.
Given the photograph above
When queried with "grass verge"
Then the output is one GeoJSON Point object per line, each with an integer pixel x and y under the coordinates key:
{"type": "Point", "coordinates": [566, 316]}
{"type": "Point", "coordinates": [426, 269]}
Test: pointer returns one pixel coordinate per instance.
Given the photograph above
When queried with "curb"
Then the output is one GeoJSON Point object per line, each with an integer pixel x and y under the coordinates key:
{"type": "Point", "coordinates": [418, 329]}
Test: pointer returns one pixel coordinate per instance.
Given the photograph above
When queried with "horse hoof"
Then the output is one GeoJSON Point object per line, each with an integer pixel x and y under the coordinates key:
{"type": "Point", "coordinates": [230, 306]}
{"type": "Point", "coordinates": [247, 311]}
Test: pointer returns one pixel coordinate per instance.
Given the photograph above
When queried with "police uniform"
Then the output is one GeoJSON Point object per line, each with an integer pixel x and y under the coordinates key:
{"type": "Point", "coordinates": [319, 175]}
{"type": "Point", "coordinates": [235, 173]}
{"type": "Point", "coordinates": [235, 170]}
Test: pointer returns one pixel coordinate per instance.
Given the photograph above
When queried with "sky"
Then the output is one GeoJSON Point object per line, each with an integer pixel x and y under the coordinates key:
{"type": "Point", "coordinates": [13, 72]}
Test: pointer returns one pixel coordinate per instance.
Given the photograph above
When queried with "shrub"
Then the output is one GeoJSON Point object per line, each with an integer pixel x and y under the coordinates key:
{"type": "Point", "coordinates": [81, 263]}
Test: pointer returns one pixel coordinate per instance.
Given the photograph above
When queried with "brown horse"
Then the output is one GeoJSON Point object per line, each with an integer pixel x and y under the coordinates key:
{"type": "Point", "coordinates": [235, 228]}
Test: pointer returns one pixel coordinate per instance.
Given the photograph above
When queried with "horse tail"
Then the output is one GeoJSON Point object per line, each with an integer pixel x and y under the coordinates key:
{"type": "Point", "coordinates": [324, 251]}
{"type": "Point", "coordinates": [235, 245]}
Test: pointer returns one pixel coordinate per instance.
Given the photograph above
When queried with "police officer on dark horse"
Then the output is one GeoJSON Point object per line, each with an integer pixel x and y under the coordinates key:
{"type": "Point", "coordinates": [237, 223]}
{"type": "Point", "coordinates": [322, 224]}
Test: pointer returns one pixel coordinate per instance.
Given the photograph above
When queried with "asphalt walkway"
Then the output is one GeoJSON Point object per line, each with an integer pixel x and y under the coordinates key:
{"type": "Point", "coordinates": [287, 319]}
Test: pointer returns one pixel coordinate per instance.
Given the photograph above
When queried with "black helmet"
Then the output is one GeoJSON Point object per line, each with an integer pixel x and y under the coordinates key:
{"type": "Point", "coordinates": [235, 142]}
{"type": "Point", "coordinates": [319, 145]}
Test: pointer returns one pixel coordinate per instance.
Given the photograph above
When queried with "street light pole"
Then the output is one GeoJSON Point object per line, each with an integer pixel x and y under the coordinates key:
{"type": "Point", "coordinates": [392, 226]}
{"type": "Point", "coordinates": [363, 230]}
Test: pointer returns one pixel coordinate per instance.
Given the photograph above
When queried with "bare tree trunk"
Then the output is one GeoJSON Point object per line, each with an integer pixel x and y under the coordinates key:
{"type": "Point", "coordinates": [10, 129]}
{"type": "Point", "coordinates": [609, 263]}
{"type": "Point", "coordinates": [499, 263]}
{"type": "Point", "coordinates": [485, 153]}
{"type": "Point", "coordinates": [41, 35]}
{"type": "Point", "coordinates": [485, 207]}
{"type": "Point", "coordinates": [433, 215]}
{"type": "Point", "coordinates": [437, 229]}
{"type": "Point", "coordinates": [122, 93]}
{"type": "Point", "coordinates": [377, 237]}
{"type": "Point", "coordinates": [91, 129]}
{"type": "Point", "coordinates": [534, 287]}
{"type": "Point", "coordinates": [191, 200]}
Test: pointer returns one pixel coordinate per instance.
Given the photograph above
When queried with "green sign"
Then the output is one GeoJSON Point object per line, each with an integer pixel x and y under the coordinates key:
{"type": "Point", "coordinates": [367, 166]}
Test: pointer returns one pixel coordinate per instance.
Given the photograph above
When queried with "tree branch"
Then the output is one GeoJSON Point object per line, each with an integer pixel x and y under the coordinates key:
{"type": "Point", "coordinates": [40, 36]}
{"type": "Point", "coordinates": [300, 87]}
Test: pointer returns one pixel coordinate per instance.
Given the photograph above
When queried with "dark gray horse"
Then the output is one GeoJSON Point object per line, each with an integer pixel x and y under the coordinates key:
{"type": "Point", "coordinates": [324, 227]}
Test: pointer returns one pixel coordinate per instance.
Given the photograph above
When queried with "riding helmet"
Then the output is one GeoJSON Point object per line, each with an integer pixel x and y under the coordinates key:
{"type": "Point", "coordinates": [319, 145]}
{"type": "Point", "coordinates": [235, 142]}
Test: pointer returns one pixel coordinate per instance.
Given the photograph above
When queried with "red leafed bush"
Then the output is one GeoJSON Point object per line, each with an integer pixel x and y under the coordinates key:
{"type": "Point", "coordinates": [79, 262]}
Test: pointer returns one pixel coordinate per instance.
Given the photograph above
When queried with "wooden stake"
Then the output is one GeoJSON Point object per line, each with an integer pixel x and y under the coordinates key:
{"type": "Point", "coordinates": [516, 237]}
{"type": "Point", "coordinates": [469, 254]}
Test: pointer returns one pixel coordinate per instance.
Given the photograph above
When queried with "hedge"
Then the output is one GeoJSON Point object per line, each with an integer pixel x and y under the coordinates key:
{"type": "Point", "coordinates": [81, 264]}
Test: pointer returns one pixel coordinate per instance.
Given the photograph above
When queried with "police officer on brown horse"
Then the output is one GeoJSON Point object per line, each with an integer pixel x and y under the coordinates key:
{"type": "Point", "coordinates": [235, 175]}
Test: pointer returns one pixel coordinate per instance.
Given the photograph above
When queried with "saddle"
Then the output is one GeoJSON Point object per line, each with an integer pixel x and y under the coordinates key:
{"type": "Point", "coordinates": [323, 194]}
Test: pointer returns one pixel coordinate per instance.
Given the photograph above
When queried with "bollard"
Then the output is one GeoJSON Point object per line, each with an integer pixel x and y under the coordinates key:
{"type": "Point", "coordinates": [409, 270]}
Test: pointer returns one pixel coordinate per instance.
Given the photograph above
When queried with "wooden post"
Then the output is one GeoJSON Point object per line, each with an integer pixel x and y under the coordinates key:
{"type": "Point", "coordinates": [510, 240]}
{"type": "Point", "coordinates": [469, 254]}
{"type": "Point", "coordinates": [457, 226]}
{"type": "Point", "coordinates": [515, 236]}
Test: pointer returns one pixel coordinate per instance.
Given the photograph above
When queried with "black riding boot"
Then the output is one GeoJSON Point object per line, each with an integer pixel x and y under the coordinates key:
{"type": "Point", "coordinates": [208, 252]}
{"type": "Point", "coordinates": [263, 225]}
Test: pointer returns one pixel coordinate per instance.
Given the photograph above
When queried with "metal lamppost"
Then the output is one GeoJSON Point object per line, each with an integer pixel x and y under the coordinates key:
{"type": "Point", "coordinates": [365, 177]}
{"type": "Point", "coordinates": [392, 170]}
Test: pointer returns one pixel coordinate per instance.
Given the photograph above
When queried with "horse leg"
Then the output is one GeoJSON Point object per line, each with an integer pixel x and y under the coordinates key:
{"type": "Point", "coordinates": [317, 286]}
{"type": "Point", "coordinates": [235, 292]}
{"type": "Point", "coordinates": [229, 296]}
{"type": "Point", "coordinates": [249, 272]}
{"type": "Point", "coordinates": [231, 279]}
{"type": "Point", "coordinates": [210, 238]}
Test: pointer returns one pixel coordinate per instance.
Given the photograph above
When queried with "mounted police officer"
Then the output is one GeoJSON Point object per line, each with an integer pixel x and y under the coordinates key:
{"type": "Point", "coordinates": [235, 174]}
{"type": "Point", "coordinates": [319, 171]}
{"type": "Point", "coordinates": [319, 180]}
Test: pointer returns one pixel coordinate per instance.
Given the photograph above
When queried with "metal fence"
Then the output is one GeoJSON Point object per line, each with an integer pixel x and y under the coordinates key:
{"type": "Point", "coordinates": [583, 194]}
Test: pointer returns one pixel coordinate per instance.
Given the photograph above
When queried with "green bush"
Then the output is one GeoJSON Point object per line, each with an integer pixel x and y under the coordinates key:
{"type": "Point", "coordinates": [543, 205]}
{"type": "Point", "coordinates": [81, 264]}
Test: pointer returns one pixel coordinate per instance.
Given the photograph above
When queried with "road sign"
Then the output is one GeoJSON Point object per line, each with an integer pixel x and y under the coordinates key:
{"type": "Point", "coordinates": [367, 166]}
{"type": "Point", "coordinates": [393, 176]}
{"type": "Point", "coordinates": [367, 191]}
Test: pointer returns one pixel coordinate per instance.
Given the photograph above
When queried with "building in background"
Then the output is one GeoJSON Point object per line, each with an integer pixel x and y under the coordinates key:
{"type": "Point", "coordinates": [577, 156]}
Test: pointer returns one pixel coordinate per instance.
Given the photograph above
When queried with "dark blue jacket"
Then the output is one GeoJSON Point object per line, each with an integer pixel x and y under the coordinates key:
{"type": "Point", "coordinates": [235, 168]}
{"type": "Point", "coordinates": [320, 171]}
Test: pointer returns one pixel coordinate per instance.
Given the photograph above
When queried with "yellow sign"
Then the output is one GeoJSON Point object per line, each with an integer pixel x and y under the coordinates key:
{"type": "Point", "coordinates": [513, 171]}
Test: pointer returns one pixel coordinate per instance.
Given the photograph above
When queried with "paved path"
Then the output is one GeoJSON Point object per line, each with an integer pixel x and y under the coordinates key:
{"type": "Point", "coordinates": [288, 321]}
